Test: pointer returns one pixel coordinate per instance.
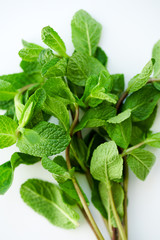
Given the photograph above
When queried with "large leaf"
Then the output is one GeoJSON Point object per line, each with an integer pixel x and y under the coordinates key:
{"type": "Point", "coordinates": [140, 162]}
{"type": "Point", "coordinates": [118, 197]}
{"type": "Point", "coordinates": [119, 128]}
{"type": "Point", "coordinates": [138, 81]}
{"type": "Point", "coordinates": [142, 102]}
{"type": "Point", "coordinates": [45, 139]}
{"type": "Point", "coordinates": [78, 73]}
{"type": "Point", "coordinates": [46, 199]}
{"type": "Point", "coordinates": [7, 131]}
{"type": "Point", "coordinates": [7, 92]}
{"type": "Point", "coordinates": [96, 117]}
{"type": "Point", "coordinates": [53, 40]}
{"type": "Point", "coordinates": [85, 32]}
{"type": "Point", "coordinates": [106, 163]}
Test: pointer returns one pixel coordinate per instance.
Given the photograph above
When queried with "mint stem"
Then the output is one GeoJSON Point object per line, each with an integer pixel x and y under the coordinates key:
{"type": "Point", "coordinates": [78, 190]}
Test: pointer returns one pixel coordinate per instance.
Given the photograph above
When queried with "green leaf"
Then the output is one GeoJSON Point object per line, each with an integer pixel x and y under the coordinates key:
{"type": "Point", "coordinates": [101, 56]}
{"type": "Point", "coordinates": [30, 67]}
{"type": "Point", "coordinates": [118, 197]}
{"type": "Point", "coordinates": [6, 177]}
{"type": "Point", "coordinates": [7, 92]}
{"type": "Point", "coordinates": [45, 139]}
{"type": "Point", "coordinates": [78, 73]}
{"type": "Point", "coordinates": [156, 56]}
{"type": "Point", "coordinates": [46, 199]}
{"type": "Point", "coordinates": [85, 32]}
{"type": "Point", "coordinates": [153, 140]}
{"type": "Point", "coordinates": [137, 135]}
{"type": "Point", "coordinates": [29, 54]}
{"type": "Point", "coordinates": [142, 102]}
{"type": "Point", "coordinates": [138, 81]}
{"type": "Point", "coordinates": [53, 40]}
{"type": "Point", "coordinates": [96, 117]}
{"type": "Point", "coordinates": [30, 45]}
{"type": "Point", "coordinates": [106, 163]}
{"type": "Point", "coordinates": [7, 131]}
{"type": "Point", "coordinates": [57, 108]}
{"type": "Point", "coordinates": [119, 128]}
{"type": "Point", "coordinates": [140, 162]}
{"type": "Point", "coordinates": [7, 169]}
{"type": "Point", "coordinates": [118, 83]}
{"type": "Point", "coordinates": [56, 87]}
{"type": "Point", "coordinates": [32, 107]}
{"type": "Point", "coordinates": [55, 68]}
{"type": "Point", "coordinates": [96, 200]}
{"type": "Point", "coordinates": [45, 56]}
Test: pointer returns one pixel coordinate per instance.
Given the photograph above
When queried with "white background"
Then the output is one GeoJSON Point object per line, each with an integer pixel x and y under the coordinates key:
{"type": "Point", "coordinates": [130, 28]}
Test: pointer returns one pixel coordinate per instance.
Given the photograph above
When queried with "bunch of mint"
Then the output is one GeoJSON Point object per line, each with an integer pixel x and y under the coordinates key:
{"type": "Point", "coordinates": [119, 121]}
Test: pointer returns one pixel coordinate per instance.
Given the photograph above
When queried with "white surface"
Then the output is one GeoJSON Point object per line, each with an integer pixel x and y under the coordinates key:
{"type": "Point", "coordinates": [130, 28]}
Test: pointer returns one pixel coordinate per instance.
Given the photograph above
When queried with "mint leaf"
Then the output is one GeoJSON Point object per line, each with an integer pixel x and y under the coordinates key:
{"type": "Point", "coordinates": [77, 72]}
{"type": "Point", "coordinates": [118, 83]}
{"type": "Point", "coordinates": [137, 135]}
{"type": "Point", "coordinates": [138, 81]}
{"type": "Point", "coordinates": [142, 102]}
{"type": "Point", "coordinates": [30, 67]}
{"type": "Point", "coordinates": [57, 108]}
{"type": "Point", "coordinates": [96, 117]}
{"type": "Point", "coordinates": [30, 45]}
{"type": "Point", "coordinates": [101, 56]}
{"type": "Point", "coordinates": [29, 54]}
{"type": "Point", "coordinates": [153, 140]}
{"type": "Point", "coordinates": [85, 32]}
{"type": "Point", "coordinates": [53, 40]}
{"type": "Point", "coordinates": [32, 107]}
{"type": "Point", "coordinates": [7, 92]}
{"type": "Point", "coordinates": [7, 131]}
{"type": "Point", "coordinates": [45, 139]}
{"type": "Point", "coordinates": [118, 196]}
{"type": "Point", "coordinates": [106, 163]}
{"type": "Point", "coordinates": [156, 56]}
{"type": "Point", "coordinates": [46, 199]}
{"type": "Point", "coordinates": [45, 56]}
{"type": "Point", "coordinates": [55, 68]}
{"type": "Point", "coordinates": [6, 177]}
{"type": "Point", "coordinates": [140, 162]}
{"type": "Point", "coordinates": [119, 128]}
{"type": "Point", "coordinates": [56, 87]}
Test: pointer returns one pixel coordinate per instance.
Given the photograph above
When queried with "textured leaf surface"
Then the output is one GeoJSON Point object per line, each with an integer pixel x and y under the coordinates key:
{"type": "Point", "coordinates": [6, 177]}
{"type": "Point", "coordinates": [44, 139]}
{"type": "Point", "coordinates": [30, 54]}
{"type": "Point", "coordinates": [138, 81]}
{"type": "Point", "coordinates": [7, 92]}
{"type": "Point", "coordinates": [118, 197]}
{"type": "Point", "coordinates": [53, 40]}
{"type": "Point", "coordinates": [46, 199]}
{"type": "Point", "coordinates": [118, 83]}
{"type": "Point", "coordinates": [7, 131]}
{"type": "Point", "coordinates": [140, 162]}
{"type": "Point", "coordinates": [142, 102]}
{"type": "Point", "coordinates": [96, 117]}
{"type": "Point", "coordinates": [55, 68]}
{"type": "Point", "coordinates": [106, 163]}
{"type": "Point", "coordinates": [85, 32]}
{"type": "Point", "coordinates": [78, 73]}
{"type": "Point", "coordinates": [154, 140]}
{"type": "Point", "coordinates": [30, 67]}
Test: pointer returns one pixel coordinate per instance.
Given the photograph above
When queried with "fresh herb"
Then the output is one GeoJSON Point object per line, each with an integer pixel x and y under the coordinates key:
{"type": "Point", "coordinates": [53, 84]}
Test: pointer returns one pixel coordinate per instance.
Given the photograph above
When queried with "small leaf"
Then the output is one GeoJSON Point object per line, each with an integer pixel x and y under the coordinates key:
{"type": "Point", "coordinates": [118, 197]}
{"type": "Point", "coordinates": [7, 92]}
{"type": "Point", "coordinates": [106, 163]}
{"type": "Point", "coordinates": [138, 81]}
{"type": "Point", "coordinates": [142, 102]}
{"type": "Point", "coordinates": [7, 131]}
{"type": "Point", "coordinates": [140, 162]}
{"type": "Point", "coordinates": [153, 140]}
{"type": "Point", "coordinates": [53, 40]}
{"type": "Point", "coordinates": [45, 139]}
{"type": "Point", "coordinates": [101, 56]}
{"type": "Point", "coordinates": [77, 72]}
{"type": "Point", "coordinates": [57, 108]}
{"type": "Point", "coordinates": [118, 83]}
{"type": "Point", "coordinates": [6, 177]}
{"type": "Point", "coordinates": [30, 45]}
{"type": "Point", "coordinates": [96, 117]}
{"type": "Point", "coordinates": [119, 128]}
{"type": "Point", "coordinates": [56, 69]}
{"type": "Point", "coordinates": [85, 32]}
{"type": "Point", "coordinates": [46, 199]}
